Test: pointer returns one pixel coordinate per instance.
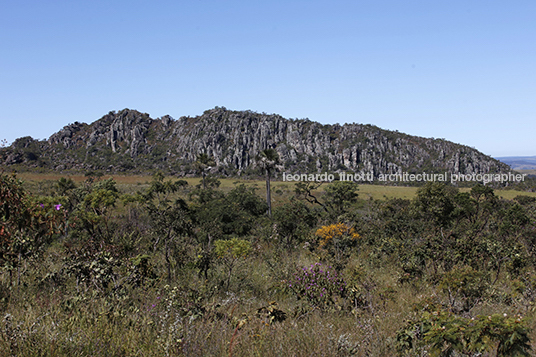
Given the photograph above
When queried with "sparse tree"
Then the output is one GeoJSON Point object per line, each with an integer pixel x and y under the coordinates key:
{"type": "Point", "coordinates": [202, 164]}
{"type": "Point", "coordinates": [304, 190]}
{"type": "Point", "coordinates": [268, 159]}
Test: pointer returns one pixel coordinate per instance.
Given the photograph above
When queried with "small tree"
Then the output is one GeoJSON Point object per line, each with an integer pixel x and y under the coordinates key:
{"type": "Point", "coordinates": [230, 252]}
{"type": "Point", "coordinates": [268, 159]}
{"type": "Point", "coordinates": [435, 203]}
{"type": "Point", "coordinates": [341, 194]}
{"type": "Point", "coordinates": [304, 190]}
{"type": "Point", "coordinates": [26, 224]}
{"type": "Point", "coordinates": [64, 185]}
{"type": "Point", "coordinates": [204, 163]}
{"type": "Point", "coordinates": [95, 207]}
{"type": "Point", "coordinates": [294, 220]}
{"type": "Point", "coordinates": [171, 218]}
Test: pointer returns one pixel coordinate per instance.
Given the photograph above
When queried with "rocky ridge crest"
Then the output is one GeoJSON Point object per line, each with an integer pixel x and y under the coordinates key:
{"type": "Point", "coordinates": [132, 141]}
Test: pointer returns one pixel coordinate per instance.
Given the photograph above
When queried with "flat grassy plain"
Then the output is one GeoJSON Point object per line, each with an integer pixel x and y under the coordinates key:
{"type": "Point", "coordinates": [528, 172]}
{"type": "Point", "coordinates": [37, 182]}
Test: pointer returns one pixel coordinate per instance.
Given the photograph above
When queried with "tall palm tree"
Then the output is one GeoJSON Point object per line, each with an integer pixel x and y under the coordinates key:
{"type": "Point", "coordinates": [203, 163]}
{"type": "Point", "coordinates": [268, 159]}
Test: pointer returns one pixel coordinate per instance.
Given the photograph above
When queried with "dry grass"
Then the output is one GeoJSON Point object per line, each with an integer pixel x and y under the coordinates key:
{"type": "Point", "coordinates": [380, 192]}
{"type": "Point", "coordinates": [510, 194]}
{"type": "Point", "coordinates": [152, 321]}
{"type": "Point", "coordinates": [528, 172]}
{"type": "Point", "coordinates": [281, 190]}
{"type": "Point", "coordinates": [122, 179]}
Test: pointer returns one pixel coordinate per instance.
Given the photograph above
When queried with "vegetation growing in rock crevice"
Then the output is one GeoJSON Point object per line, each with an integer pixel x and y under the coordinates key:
{"type": "Point", "coordinates": [131, 141]}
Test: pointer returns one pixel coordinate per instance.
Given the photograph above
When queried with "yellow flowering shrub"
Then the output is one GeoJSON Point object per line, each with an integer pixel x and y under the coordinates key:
{"type": "Point", "coordinates": [329, 233]}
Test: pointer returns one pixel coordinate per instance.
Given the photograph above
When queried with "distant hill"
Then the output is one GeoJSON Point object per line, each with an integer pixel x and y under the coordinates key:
{"type": "Point", "coordinates": [131, 141]}
{"type": "Point", "coordinates": [519, 162]}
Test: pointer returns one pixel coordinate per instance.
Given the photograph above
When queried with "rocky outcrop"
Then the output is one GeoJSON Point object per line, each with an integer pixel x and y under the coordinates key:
{"type": "Point", "coordinates": [132, 141]}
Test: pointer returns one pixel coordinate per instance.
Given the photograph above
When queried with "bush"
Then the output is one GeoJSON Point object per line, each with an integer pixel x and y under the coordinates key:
{"type": "Point", "coordinates": [337, 239]}
{"type": "Point", "coordinates": [445, 334]}
{"type": "Point", "coordinates": [319, 285]}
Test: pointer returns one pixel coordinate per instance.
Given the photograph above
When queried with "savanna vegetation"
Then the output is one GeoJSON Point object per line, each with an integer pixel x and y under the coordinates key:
{"type": "Point", "coordinates": [172, 268]}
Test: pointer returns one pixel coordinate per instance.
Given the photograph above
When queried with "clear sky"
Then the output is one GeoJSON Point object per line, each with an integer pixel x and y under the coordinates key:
{"type": "Point", "coordinates": [463, 70]}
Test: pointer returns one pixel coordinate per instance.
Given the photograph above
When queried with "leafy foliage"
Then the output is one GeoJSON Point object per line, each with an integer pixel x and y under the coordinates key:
{"type": "Point", "coordinates": [445, 334]}
{"type": "Point", "coordinates": [341, 194]}
{"type": "Point", "coordinates": [222, 215]}
{"type": "Point", "coordinates": [230, 252]}
{"type": "Point", "coordinates": [27, 224]}
{"type": "Point", "coordinates": [294, 221]}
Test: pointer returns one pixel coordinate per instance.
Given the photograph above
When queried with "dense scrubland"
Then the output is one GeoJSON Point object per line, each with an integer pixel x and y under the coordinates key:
{"type": "Point", "coordinates": [171, 267]}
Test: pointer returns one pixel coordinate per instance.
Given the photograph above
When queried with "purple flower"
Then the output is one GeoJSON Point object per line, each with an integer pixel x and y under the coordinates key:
{"type": "Point", "coordinates": [42, 205]}
{"type": "Point", "coordinates": [58, 206]}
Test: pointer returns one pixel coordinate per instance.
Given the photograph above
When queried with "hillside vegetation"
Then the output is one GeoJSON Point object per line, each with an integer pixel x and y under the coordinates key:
{"type": "Point", "coordinates": [129, 141]}
{"type": "Point", "coordinates": [165, 267]}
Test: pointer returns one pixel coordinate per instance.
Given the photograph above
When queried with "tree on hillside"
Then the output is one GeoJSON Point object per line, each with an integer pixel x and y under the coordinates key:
{"type": "Point", "coordinates": [268, 159]}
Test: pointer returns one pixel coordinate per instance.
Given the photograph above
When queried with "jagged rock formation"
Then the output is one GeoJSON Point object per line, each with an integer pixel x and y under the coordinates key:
{"type": "Point", "coordinates": [132, 141]}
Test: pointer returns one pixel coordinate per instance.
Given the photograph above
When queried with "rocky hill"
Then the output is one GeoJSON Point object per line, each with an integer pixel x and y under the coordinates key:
{"type": "Point", "coordinates": [130, 141]}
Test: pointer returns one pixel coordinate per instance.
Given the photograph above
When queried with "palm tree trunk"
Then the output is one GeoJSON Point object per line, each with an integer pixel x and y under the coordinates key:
{"type": "Point", "coordinates": [268, 194]}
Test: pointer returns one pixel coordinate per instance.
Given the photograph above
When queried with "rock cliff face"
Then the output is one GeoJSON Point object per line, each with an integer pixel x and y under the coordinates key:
{"type": "Point", "coordinates": [132, 141]}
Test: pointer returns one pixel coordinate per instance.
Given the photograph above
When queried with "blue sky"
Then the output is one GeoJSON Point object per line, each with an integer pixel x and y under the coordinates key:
{"type": "Point", "coordinates": [460, 70]}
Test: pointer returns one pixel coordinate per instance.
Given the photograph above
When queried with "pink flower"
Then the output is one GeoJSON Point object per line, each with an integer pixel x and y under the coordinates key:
{"type": "Point", "coordinates": [58, 206]}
